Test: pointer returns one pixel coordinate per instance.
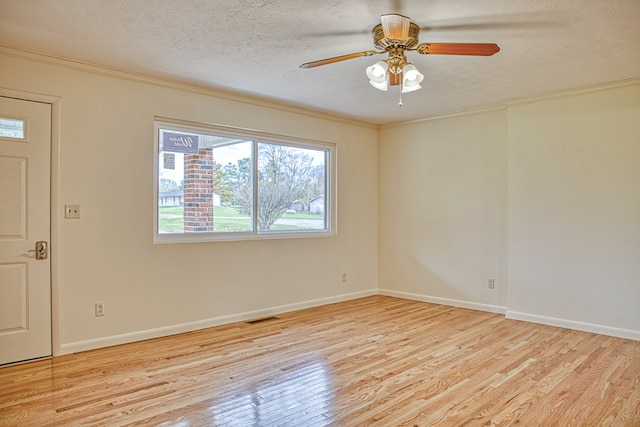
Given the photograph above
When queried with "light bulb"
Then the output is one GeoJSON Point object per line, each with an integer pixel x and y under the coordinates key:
{"type": "Point", "coordinates": [378, 76]}
{"type": "Point", "coordinates": [411, 75]}
{"type": "Point", "coordinates": [411, 78]}
{"type": "Point", "coordinates": [377, 71]}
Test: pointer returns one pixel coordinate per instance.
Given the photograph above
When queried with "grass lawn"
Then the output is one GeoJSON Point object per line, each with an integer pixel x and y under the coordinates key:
{"type": "Point", "coordinates": [171, 210]}
{"type": "Point", "coordinates": [302, 215]}
{"type": "Point", "coordinates": [225, 219]}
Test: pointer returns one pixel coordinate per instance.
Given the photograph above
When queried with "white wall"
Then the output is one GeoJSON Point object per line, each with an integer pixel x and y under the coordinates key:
{"type": "Point", "coordinates": [443, 210]}
{"type": "Point", "coordinates": [105, 165]}
{"type": "Point", "coordinates": [544, 196]}
{"type": "Point", "coordinates": [574, 210]}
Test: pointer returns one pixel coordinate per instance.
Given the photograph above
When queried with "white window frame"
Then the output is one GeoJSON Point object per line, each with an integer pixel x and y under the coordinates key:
{"type": "Point", "coordinates": [256, 137]}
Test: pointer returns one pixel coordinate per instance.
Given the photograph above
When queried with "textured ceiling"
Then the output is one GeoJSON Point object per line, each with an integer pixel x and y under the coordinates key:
{"type": "Point", "coordinates": [254, 47]}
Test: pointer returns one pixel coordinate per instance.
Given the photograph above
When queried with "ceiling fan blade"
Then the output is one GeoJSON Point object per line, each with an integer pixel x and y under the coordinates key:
{"type": "Point", "coordinates": [339, 58]}
{"type": "Point", "coordinates": [395, 27]}
{"type": "Point", "coordinates": [476, 49]}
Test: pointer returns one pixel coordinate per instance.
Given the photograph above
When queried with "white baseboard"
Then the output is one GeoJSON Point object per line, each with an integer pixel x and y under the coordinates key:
{"type": "Point", "coordinates": [108, 341]}
{"type": "Point", "coordinates": [129, 337]}
{"type": "Point", "coordinates": [444, 301]}
{"type": "Point", "coordinates": [572, 324]}
{"type": "Point", "coordinates": [525, 317]}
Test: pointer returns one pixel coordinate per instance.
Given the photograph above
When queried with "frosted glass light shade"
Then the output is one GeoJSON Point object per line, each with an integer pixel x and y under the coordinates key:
{"type": "Point", "coordinates": [411, 78]}
{"type": "Point", "coordinates": [378, 76]}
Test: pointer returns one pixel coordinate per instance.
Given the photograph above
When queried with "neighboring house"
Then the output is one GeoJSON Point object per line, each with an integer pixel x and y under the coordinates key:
{"type": "Point", "coordinates": [176, 198]}
{"type": "Point", "coordinates": [314, 206]}
{"type": "Point", "coordinates": [297, 206]}
{"type": "Point", "coordinates": [317, 205]}
{"type": "Point", "coordinates": [171, 198]}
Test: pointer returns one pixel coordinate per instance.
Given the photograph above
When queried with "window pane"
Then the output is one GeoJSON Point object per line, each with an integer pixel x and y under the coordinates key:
{"type": "Point", "coordinates": [201, 183]}
{"type": "Point", "coordinates": [291, 188]}
{"type": "Point", "coordinates": [11, 128]}
{"type": "Point", "coordinates": [216, 183]}
{"type": "Point", "coordinates": [235, 181]}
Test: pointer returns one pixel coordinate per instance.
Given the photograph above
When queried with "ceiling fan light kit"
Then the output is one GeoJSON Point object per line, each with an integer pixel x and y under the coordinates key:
{"type": "Point", "coordinates": [411, 78]}
{"type": "Point", "coordinates": [378, 75]}
{"type": "Point", "coordinates": [395, 35]}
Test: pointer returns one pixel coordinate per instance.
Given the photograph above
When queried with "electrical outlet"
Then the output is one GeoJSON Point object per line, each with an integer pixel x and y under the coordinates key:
{"type": "Point", "coordinates": [491, 283]}
{"type": "Point", "coordinates": [72, 211]}
{"type": "Point", "coordinates": [343, 277]}
{"type": "Point", "coordinates": [99, 309]}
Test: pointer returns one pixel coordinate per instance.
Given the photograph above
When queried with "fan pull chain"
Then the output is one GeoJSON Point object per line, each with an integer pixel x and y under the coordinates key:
{"type": "Point", "coordinates": [400, 101]}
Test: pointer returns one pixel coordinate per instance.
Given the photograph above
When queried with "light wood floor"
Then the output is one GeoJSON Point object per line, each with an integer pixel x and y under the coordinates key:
{"type": "Point", "coordinates": [372, 361]}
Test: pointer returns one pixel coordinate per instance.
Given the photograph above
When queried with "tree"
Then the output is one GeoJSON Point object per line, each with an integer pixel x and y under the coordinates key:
{"type": "Point", "coordinates": [220, 184]}
{"type": "Point", "coordinates": [166, 184]}
{"type": "Point", "coordinates": [238, 180]}
{"type": "Point", "coordinates": [316, 184]}
{"type": "Point", "coordinates": [285, 175]}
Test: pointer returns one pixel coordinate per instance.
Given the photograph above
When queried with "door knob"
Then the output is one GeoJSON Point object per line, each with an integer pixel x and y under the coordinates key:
{"type": "Point", "coordinates": [41, 250]}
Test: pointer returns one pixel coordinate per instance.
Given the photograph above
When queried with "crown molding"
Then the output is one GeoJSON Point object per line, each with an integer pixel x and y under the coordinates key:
{"type": "Point", "coordinates": [175, 84]}
{"type": "Point", "coordinates": [289, 108]}
{"type": "Point", "coordinates": [574, 91]}
{"type": "Point", "coordinates": [480, 110]}
{"type": "Point", "coordinates": [521, 101]}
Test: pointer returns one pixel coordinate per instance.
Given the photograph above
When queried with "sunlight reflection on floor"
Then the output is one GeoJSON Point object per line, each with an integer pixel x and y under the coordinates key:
{"type": "Point", "coordinates": [302, 395]}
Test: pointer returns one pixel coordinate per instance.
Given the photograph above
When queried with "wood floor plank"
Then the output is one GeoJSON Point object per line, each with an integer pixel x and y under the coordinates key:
{"type": "Point", "coordinates": [371, 361]}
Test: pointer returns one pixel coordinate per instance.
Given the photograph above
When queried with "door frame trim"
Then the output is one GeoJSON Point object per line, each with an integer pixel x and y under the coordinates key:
{"type": "Point", "coordinates": [54, 209]}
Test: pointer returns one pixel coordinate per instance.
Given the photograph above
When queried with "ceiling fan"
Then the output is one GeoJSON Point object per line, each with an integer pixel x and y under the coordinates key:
{"type": "Point", "coordinates": [395, 35]}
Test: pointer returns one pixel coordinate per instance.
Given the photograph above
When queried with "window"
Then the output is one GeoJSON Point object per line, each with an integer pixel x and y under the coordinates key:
{"type": "Point", "coordinates": [12, 128]}
{"type": "Point", "coordinates": [217, 183]}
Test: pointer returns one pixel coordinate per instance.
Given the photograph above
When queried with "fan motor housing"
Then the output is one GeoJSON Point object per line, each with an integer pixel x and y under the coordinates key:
{"type": "Point", "coordinates": [380, 41]}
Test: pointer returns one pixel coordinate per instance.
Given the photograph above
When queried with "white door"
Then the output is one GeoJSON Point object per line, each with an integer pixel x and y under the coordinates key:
{"type": "Point", "coordinates": [25, 282]}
